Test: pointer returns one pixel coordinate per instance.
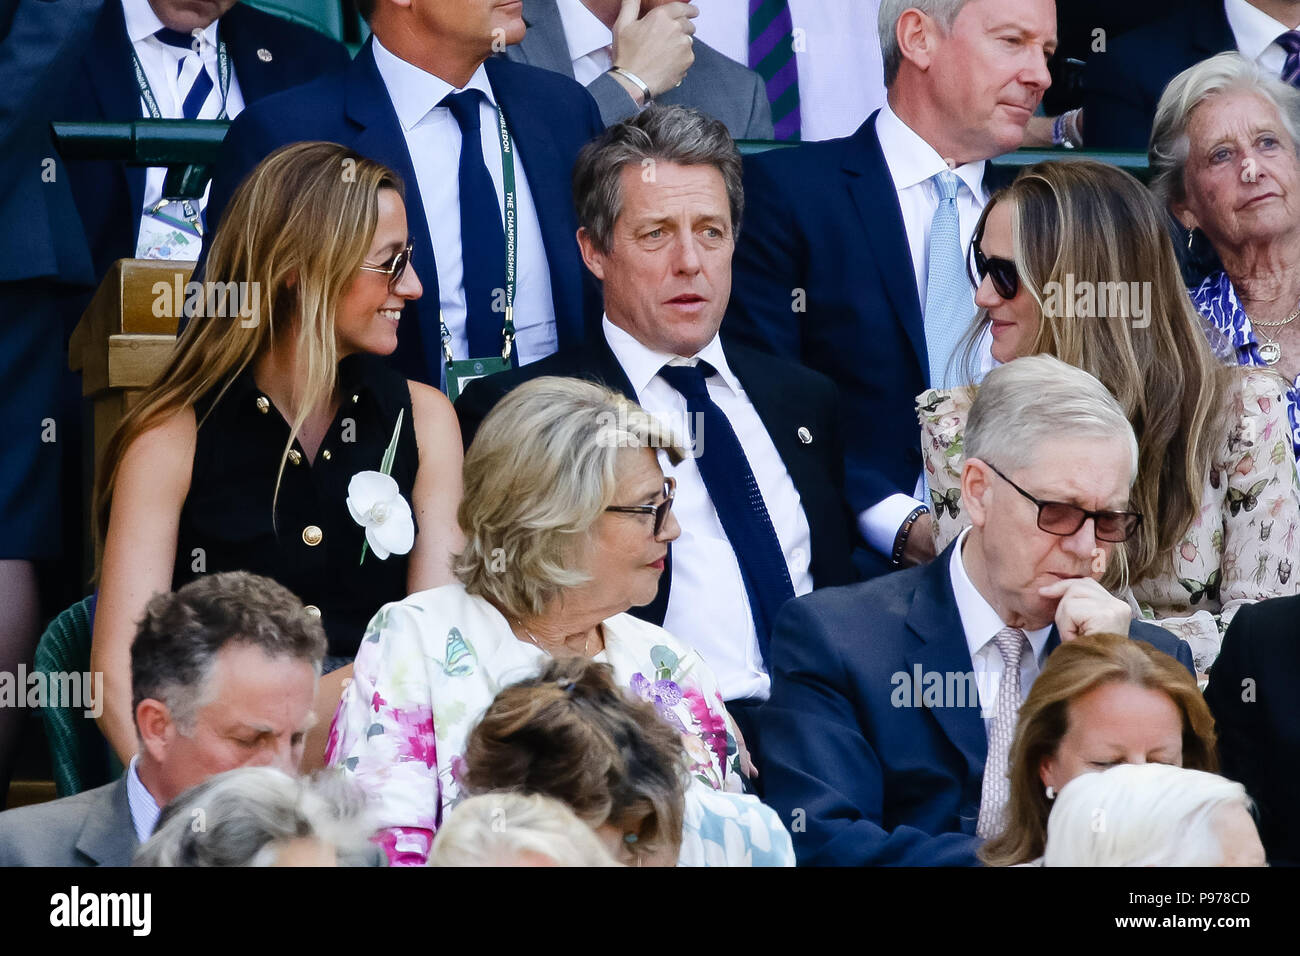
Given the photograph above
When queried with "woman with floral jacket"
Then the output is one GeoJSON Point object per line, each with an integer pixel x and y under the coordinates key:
{"type": "Point", "coordinates": [1074, 261]}
{"type": "Point", "coordinates": [567, 523]}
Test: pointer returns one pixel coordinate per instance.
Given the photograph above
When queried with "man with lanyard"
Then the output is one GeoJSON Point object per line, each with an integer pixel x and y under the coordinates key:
{"type": "Point", "coordinates": [484, 147]}
{"type": "Point", "coordinates": [174, 59]}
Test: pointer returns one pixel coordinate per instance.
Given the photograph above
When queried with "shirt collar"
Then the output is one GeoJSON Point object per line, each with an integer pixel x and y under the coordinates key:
{"type": "Point", "coordinates": [641, 364]}
{"type": "Point", "coordinates": [142, 23]}
{"type": "Point", "coordinates": [1254, 29]}
{"type": "Point", "coordinates": [416, 93]}
{"type": "Point", "coordinates": [583, 30]}
{"type": "Point", "coordinates": [911, 160]}
{"type": "Point", "coordinates": [978, 619]}
{"type": "Point", "coordinates": [144, 808]}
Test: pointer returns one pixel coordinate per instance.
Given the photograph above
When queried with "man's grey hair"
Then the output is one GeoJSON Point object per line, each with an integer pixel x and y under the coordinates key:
{"type": "Point", "coordinates": [1029, 402]}
{"type": "Point", "coordinates": [660, 134]}
{"type": "Point", "coordinates": [944, 13]}
{"type": "Point", "coordinates": [1141, 815]}
{"type": "Point", "coordinates": [498, 828]}
{"type": "Point", "coordinates": [244, 817]}
{"type": "Point", "coordinates": [182, 632]}
{"type": "Point", "coordinates": [1224, 73]}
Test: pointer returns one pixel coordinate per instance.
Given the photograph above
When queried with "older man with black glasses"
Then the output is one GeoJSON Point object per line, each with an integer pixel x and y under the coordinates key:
{"type": "Point", "coordinates": [894, 702]}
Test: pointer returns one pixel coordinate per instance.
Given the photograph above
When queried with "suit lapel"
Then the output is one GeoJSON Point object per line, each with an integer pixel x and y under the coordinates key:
{"type": "Point", "coordinates": [108, 65]}
{"type": "Point", "coordinates": [108, 836]}
{"type": "Point", "coordinates": [531, 129]}
{"type": "Point", "coordinates": [256, 76]}
{"type": "Point", "coordinates": [935, 620]}
{"type": "Point", "coordinates": [873, 193]}
{"type": "Point", "coordinates": [544, 43]}
{"type": "Point", "coordinates": [1211, 31]}
{"type": "Point", "coordinates": [380, 137]}
{"type": "Point", "coordinates": [782, 419]}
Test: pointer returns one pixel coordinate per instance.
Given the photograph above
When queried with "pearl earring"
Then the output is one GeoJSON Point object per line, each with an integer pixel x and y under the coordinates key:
{"type": "Point", "coordinates": [1051, 793]}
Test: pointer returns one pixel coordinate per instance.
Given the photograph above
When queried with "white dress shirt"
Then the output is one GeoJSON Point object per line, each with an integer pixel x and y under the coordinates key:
{"type": "Point", "coordinates": [591, 43]}
{"type": "Point", "coordinates": [433, 142]}
{"type": "Point", "coordinates": [981, 625]}
{"type": "Point", "coordinates": [837, 52]}
{"type": "Point", "coordinates": [144, 808]}
{"type": "Point", "coordinates": [708, 606]}
{"type": "Point", "coordinates": [159, 62]}
{"type": "Point", "coordinates": [1255, 32]}
{"type": "Point", "coordinates": [912, 161]}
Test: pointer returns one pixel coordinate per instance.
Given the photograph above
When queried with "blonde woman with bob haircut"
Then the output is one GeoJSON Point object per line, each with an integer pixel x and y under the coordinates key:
{"type": "Point", "coordinates": [567, 521]}
{"type": "Point", "coordinates": [1101, 700]}
{"type": "Point", "coordinates": [1073, 260]}
{"type": "Point", "coordinates": [248, 451]}
{"type": "Point", "coordinates": [1153, 815]}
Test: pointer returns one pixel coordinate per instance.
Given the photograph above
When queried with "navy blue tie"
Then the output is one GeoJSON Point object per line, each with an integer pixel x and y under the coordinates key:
{"type": "Point", "coordinates": [736, 498]}
{"type": "Point", "coordinates": [482, 237]}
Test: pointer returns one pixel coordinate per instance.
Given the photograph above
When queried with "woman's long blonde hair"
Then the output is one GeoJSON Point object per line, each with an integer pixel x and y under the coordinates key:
{"type": "Point", "coordinates": [1084, 224]}
{"type": "Point", "coordinates": [292, 237]}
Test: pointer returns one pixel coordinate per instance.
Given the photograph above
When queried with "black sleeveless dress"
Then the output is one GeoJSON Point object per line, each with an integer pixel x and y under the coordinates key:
{"type": "Point", "coordinates": [313, 546]}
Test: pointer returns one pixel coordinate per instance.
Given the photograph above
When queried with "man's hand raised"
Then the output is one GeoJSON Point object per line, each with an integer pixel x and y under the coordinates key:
{"type": "Point", "coordinates": [1087, 608]}
{"type": "Point", "coordinates": [657, 48]}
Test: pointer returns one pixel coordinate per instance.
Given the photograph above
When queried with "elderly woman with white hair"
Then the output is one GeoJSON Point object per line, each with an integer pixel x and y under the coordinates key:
{"type": "Point", "coordinates": [1224, 160]}
{"type": "Point", "coordinates": [516, 829]}
{"type": "Point", "coordinates": [1152, 815]}
{"type": "Point", "coordinates": [261, 816]}
{"type": "Point", "coordinates": [567, 522]}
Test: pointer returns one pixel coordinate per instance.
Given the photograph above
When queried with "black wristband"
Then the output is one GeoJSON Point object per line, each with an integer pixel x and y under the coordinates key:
{"type": "Point", "coordinates": [900, 541]}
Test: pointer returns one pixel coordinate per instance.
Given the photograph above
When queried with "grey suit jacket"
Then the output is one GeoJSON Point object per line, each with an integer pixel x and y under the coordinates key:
{"type": "Point", "coordinates": [87, 829]}
{"type": "Point", "coordinates": [715, 84]}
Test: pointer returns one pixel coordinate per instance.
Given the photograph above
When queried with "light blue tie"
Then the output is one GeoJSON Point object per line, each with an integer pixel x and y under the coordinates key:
{"type": "Point", "coordinates": [949, 307]}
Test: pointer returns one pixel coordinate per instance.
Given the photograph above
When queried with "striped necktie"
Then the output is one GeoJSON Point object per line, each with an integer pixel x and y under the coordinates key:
{"type": "Point", "coordinates": [772, 56]}
{"type": "Point", "coordinates": [1290, 41]}
{"type": "Point", "coordinates": [192, 79]}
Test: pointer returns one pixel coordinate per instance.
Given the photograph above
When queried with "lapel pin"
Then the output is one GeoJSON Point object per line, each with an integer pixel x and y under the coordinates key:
{"type": "Point", "coordinates": [264, 55]}
{"type": "Point", "coordinates": [805, 435]}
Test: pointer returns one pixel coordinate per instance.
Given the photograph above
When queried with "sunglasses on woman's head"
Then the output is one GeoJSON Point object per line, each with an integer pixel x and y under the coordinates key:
{"type": "Point", "coordinates": [395, 268]}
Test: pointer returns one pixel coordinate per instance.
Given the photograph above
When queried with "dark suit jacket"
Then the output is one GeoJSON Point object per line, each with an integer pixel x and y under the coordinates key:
{"type": "Point", "coordinates": [550, 118]}
{"type": "Point", "coordinates": [823, 224]}
{"type": "Point", "coordinates": [1252, 694]}
{"type": "Point", "coordinates": [110, 194]}
{"type": "Point", "coordinates": [715, 84]}
{"type": "Point", "coordinates": [93, 828]}
{"type": "Point", "coordinates": [42, 236]}
{"type": "Point", "coordinates": [785, 396]}
{"type": "Point", "coordinates": [1123, 85]}
{"type": "Point", "coordinates": [877, 783]}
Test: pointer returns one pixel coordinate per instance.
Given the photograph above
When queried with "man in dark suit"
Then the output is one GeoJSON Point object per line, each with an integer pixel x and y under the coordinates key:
{"type": "Point", "coordinates": [852, 261]}
{"type": "Point", "coordinates": [265, 54]}
{"type": "Point", "coordinates": [44, 264]}
{"type": "Point", "coordinates": [662, 245]}
{"type": "Point", "coordinates": [223, 674]}
{"type": "Point", "coordinates": [1122, 83]}
{"type": "Point", "coordinates": [424, 86]}
{"type": "Point", "coordinates": [631, 52]}
{"type": "Point", "coordinates": [1252, 697]}
{"type": "Point", "coordinates": [875, 751]}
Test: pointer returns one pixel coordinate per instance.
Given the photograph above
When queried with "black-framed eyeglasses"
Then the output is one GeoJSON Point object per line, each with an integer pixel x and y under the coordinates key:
{"type": "Point", "coordinates": [660, 511]}
{"type": "Point", "coordinates": [395, 268]}
{"type": "Point", "coordinates": [1060, 518]}
{"type": "Point", "coordinates": [1002, 272]}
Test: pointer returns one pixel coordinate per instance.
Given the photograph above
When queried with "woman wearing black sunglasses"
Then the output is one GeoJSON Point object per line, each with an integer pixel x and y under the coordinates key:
{"type": "Point", "coordinates": [1073, 261]}
{"type": "Point", "coordinates": [276, 440]}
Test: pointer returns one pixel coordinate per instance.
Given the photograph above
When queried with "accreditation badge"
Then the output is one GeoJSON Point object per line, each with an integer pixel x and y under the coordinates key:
{"type": "Point", "coordinates": [460, 372]}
